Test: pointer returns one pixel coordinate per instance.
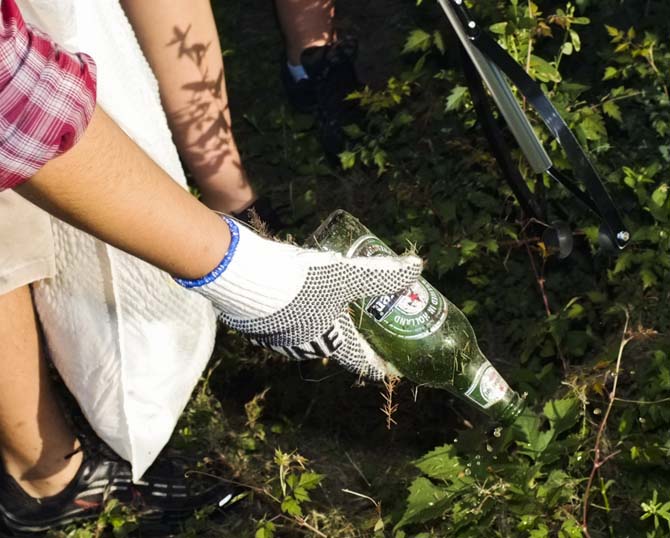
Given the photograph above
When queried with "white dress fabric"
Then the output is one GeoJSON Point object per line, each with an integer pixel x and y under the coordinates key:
{"type": "Point", "coordinates": [128, 341]}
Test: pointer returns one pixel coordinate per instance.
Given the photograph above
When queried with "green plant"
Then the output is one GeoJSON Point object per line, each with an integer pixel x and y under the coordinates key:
{"type": "Point", "coordinates": [588, 457]}
{"type": "Point", "coordinates": [656, 510]}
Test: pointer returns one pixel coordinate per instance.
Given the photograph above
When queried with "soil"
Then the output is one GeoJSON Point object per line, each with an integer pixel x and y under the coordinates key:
{"type": "Point", "coordinates": [325, 413]}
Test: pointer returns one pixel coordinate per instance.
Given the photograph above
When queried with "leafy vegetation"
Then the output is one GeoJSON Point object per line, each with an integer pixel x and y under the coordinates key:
{"type": "Point", "coordinates": [585, 337]}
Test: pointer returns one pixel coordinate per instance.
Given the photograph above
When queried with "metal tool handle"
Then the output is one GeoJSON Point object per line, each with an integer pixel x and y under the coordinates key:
{"type": "Point", "coordinates": [502, 95]}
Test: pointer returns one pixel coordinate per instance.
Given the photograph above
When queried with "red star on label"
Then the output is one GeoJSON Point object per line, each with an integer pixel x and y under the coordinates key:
{"type": "Point", "coordinates": [413, 296]}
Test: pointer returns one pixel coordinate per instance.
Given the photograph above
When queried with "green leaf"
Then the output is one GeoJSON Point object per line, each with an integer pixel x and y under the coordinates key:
{"type": "Point", "coordinates": [570, 529]}
{"type": "Point", "coordinates": [528, 426]}
{"type": "Point", "coordinates": [348, 159]}
{"type": "Point", "coordinates": [446, 259]}
{"type": "Point", "coordinates": [426, 501]}
{"type": "Point", "coordinates": [624, 262]}
{"type": "Point", "coordinates": [456, 98]}
{"type": "Point", "coordinates": [418, 40]}
{"type": "Point", "coordinates": [301, 494]}
{"type": "Point", "coordinates": [402, 118]}
{"type": "Point", "coordinates": [418, 67]}
{"type": "Point", "coordinates": [592, 234]}
{"type": "Point", "coordinates": [541, 532]}
{"type": "Point", "coordinates": [555, 490]}
{"type": "Point", "coordinates": [491, 246]}
{"type": "Point", "coordinates": [266, 530]}
{"type": "Point", "coordinates": [649, 278]}
{"type": "Point", "coordinates": [438, 41]}
{"type": "Point", "coordinates": [575, 311]}
{"type": "Point", "coordinates": [567, 48]}
{"type": "Point", "coordinates": [380, 159]}
{"type": "Point", "coordinates": [596, 297]}
{"type": "Point", "coordinates": [468, 248]}
{"type": "Point", "coordinates": [576, 342]}
{"type": "Point", "coordinates": [593, 128]}
{"type": "Point", "coordinates": [576, 40]}
{"type": "Point", "coordinates": [292, 480]}
{"type": "Point", "coordinates": [612, 31]}
{"type": "Point", "coordinates": [498, 28]}
{"type": "Point", "coordinates": [526, 522]}
{"type": "Point", "coordinates": [469, 307]}
{"type": "Point", "coordinates": [612, 110]}
{"type": "Point", "coordinates": [353, 131]}
{"type": "Point", "coordinates": [562, 414]}
{"type": "Point", "coordinates": [310, 480]}
{"type": "Point", "coordinates": [660, 195]}
{"type": "Point", "coordinates": [544, 71]}
{"type": "Point", "coordinates": [291, 507]}
{"type": "Point", "coordinates": [446, 209]}
{"type": "Point", "coordinates": [610, 73]}
{"type": "Point", "coordinates": [441, 463]}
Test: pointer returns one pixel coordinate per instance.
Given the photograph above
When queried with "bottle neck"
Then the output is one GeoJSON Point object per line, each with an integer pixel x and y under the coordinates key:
{"type": "Point", "coordinates": [515, 406]}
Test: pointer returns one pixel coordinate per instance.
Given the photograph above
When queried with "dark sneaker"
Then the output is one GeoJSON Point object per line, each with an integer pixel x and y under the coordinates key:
{"type": "Point", "coordinates": [332, 77]}
{"type": "Point", "coordinates": [162, 499]}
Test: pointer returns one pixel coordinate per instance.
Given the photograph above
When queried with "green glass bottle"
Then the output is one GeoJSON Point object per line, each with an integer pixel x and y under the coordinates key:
{"type": "Point", "coordinates": [424, 336]}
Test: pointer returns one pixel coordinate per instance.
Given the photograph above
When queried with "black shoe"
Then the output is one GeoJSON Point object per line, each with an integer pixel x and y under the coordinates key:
{"type": "Point", "coordinates": [163, 498]}
{"type": "Point", "coordinates": [332, 77]}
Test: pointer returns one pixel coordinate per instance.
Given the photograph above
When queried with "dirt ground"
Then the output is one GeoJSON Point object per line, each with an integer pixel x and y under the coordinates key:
{"type": "Point", "coordinates": [322, 411]}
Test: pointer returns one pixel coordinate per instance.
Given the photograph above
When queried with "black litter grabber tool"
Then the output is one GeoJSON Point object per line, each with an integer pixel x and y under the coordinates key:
{"type": "Point", "coordinates": [487, 63]}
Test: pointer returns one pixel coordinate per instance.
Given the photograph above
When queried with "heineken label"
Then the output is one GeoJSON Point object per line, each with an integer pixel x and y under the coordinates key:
{"type": "Point", "coordinates": [488, 387]}
{"type": "Point", "coordinates": [414, 313]}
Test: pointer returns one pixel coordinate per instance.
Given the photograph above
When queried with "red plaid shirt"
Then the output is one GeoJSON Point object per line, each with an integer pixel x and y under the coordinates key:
{"type": "Point", "coordinates": [47, 97]}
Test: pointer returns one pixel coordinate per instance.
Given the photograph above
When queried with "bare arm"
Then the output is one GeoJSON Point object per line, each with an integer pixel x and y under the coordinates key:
{"type": "Point", "coordinates": [107, 186]}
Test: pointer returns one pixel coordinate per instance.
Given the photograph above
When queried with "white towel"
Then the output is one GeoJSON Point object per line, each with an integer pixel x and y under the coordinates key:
{"type": "Point", "coordinates": [129, 343]}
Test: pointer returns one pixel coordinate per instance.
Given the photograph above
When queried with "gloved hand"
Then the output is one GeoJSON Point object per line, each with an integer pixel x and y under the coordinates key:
{"type": "Point", "coordinates": [294, 300]}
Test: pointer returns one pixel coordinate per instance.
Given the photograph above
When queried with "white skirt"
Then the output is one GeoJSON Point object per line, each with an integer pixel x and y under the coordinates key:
{"type": "Point", "coordinates": [129, 342]}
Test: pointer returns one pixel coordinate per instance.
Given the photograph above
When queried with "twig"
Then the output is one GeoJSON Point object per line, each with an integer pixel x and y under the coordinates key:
{"type": "Point", "coordinates": [540, 281]}
{"type": "Point", "coordinates": [296, 519]}
{"type": "Point", "coordinates": [358, 470]}
{"type": "Point", "coordinates": [528, 58]}
{"type": "Point", "coordinates": [597, 460]}
{"type": "Point", "coordinates": [643, 402]}
{"type": "Point", "coordinates": [652, 63]}
{"type": "Point", "coordinates": [378, 504]}
{"type": "Point", "coordinates": [389, 408]}
{"type": "Point", "coordinates": [617, 98]}
{"type": "Point", "coordinates": [539, 278]}
{"type": "Point", "coordinates": [262, 491]}
{"type": "Point", "coordinates": [351, 492]}
{"type": "Point", "coordinates": [303, 523]}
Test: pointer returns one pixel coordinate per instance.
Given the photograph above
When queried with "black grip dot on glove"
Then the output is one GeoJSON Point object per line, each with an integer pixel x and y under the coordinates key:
{"type": "Point", "coordinates": [295, 300]}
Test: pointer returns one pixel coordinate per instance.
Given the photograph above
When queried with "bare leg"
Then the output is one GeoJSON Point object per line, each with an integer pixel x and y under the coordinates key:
{"type": "Point", "coordinates": [305, 23]}
{"type": "Point", "coordinates": [107, 186]}
{"type": "Point", "coordinates": [34, 437]}
{"type": "Point", "coordinates": [182, 45]}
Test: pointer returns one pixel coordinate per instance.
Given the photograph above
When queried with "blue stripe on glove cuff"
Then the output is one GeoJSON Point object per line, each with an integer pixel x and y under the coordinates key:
{"type": "Point", "coordinates": [219, 269]}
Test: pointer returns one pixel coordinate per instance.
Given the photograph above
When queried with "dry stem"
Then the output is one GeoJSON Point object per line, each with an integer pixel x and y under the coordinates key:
{"type": "Point", "coordinates": [540, 279]}
{"type": "Point", "coordinates": [303, 523]}
{"type": "Point", "coordinates": [389, 408]}
{"type": "Point", "coordinates": [599, 461]}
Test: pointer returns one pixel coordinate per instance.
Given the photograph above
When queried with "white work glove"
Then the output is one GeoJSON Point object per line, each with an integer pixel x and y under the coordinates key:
{"type": "Point", "coordinates": [295, 300]}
